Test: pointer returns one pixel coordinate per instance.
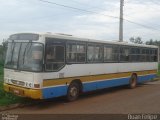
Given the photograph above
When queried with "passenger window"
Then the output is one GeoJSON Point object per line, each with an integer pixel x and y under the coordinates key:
{"type": "Point", "coordinates": [108, 53]}
{"type": "Point", "coordinates": [135, 54]}
{"type": "Point", "coordinates": [76, 53]}
{"type": "Point", "coordinates": [111, 54]}
{"type": "Point", "coordinates": [124, 54]}
{"type": "Point", "coordinates": [154, 57]}
{"type": "Point", "coordinates": [143, 55]}
{"type": "Point", "coordinates": [54, 57]}
{"type": "Point", "coordinates": [81, 53]}
{"type": "Point", "coordinates": [95, 53]}
{"type": "Point", "coordinates": [147, 55]}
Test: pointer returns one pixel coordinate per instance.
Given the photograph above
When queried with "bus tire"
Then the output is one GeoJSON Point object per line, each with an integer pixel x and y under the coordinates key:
{"type": "Point", "coordinates": [133, 81]}
{"type": "Point", "coordinates": [73, 91]}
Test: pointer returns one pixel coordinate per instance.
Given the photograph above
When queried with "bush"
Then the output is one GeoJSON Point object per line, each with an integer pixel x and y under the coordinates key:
{"type": "Point", "coordinates": [2, 93]}
{"type": "Point", "coordinates": [1, 63]}
{"type": "Point", "coordinates": [8, 98]}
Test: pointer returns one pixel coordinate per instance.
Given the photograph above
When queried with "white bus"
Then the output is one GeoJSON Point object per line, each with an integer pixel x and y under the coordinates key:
{"type": "Point", "coordinates": [42, 66]}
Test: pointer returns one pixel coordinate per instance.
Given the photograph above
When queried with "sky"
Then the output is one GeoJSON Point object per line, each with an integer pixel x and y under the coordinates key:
{"type": "Point", "coordinates": [18, 16]}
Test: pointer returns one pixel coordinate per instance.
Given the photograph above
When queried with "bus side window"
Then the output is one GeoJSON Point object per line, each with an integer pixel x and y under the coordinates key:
{"type": "Point", "coordinates": [155, 57]}
{"type": "Point", "coordinates": [76, 53]}
{"type": "Point", "coordinates": [50, 54]}
{"type": "Point", "coordinates": [124, 54]}
{"type": "Point", "coordinates": [81, 53]}
{"type": "Point", "coordinates": [95, 53]}
{"type": "Point", "coordinates": [54, 57]}
{"type": "Point", "coordinates": [108, 54]}
{"type": "Point", "coordinates": [90, 53]}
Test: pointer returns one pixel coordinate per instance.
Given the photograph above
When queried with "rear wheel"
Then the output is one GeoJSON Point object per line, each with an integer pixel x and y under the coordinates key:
{"type": "Point", "coordinates": [133, 81]}
{"type": "Point", "coordinates": [73, 91]}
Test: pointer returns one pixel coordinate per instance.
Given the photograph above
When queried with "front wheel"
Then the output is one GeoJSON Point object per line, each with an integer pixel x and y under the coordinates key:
{"type": "Point", "coordinates": [133, 81]}
{"type": "Point", "coordinates": [73, 91]}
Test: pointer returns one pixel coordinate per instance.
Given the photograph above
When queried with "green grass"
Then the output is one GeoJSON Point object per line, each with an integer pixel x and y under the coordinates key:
{"type": "Point", "coordinates": [158, 73]}
{"type": "Point", "coordinates": [1, 72]}
{"type": "Point", "coordinates": [8, 98]}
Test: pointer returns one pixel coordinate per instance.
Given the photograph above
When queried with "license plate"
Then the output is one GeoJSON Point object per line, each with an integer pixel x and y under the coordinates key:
{"type": "Point", "coordinates": [16, 91]}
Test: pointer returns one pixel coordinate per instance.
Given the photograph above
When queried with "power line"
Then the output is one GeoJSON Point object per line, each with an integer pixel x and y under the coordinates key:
{"type": "Point", "coordinates": [89, 11]}
{"type": "Point", "coordinates": [96, 7]}
{"type": "Point", "coordinates": [90, 7]}
{"type": "Point", "coordinates": [144, 21]}
{"type": "Point", "coordinates": [148, 27]}
{"type": "Point", "coordinates": [105, 9]}
{"type": "Point", "coordinates": [79, 9]}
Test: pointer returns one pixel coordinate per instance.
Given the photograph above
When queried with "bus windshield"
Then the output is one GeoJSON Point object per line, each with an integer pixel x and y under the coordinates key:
{"type": "Point", "coordinates": [24, 56]}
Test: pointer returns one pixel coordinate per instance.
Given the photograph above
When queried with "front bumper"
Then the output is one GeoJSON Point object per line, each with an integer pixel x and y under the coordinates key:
{"type": "Point", "coordinates": [24, 92]}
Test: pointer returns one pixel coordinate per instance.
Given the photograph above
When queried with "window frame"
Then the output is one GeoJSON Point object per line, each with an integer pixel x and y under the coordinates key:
{"type": "Point", "coordinates": [133, 54]}
{"type": "Point", "coordinates": [124, 46]}
{"type": "Point", "coordinates": [76, 43]}
{"type": "Point", "coordinates": [154, 54]}
{"type": "Point", "coordinates": [113, 46]}
{"type": "Point", "coordinates": [54, 42]}
{"type": "Point", "coordinates": [95, 44]}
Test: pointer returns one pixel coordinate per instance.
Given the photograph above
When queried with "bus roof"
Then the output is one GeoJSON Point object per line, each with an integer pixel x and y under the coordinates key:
{"type": "Point", "coordinates": [71, 37]}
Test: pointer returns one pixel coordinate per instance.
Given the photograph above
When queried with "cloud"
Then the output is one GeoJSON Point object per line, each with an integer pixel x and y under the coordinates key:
{"type": "Point", "coordinates": [35, 16]}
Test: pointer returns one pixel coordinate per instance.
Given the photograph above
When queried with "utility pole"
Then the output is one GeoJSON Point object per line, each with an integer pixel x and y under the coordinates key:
{"type": "Point", "coordinates": [121, 21]}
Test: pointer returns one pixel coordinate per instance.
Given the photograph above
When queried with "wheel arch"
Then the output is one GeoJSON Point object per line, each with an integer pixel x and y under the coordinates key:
{"type": "Point", "coordinates": [134, 73]}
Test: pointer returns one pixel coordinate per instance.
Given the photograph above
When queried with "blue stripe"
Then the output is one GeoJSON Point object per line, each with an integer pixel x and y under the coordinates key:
{"type": "Point", "coordinates": [105, 84]}
{"type": "Point", "coordinates": [114, 82]}
{"type": "Point", "coordinates": [62, 90]}
{"type": "Point", "coordinates": [146, 78]}
{"type": "Point", "coordinates": [54, 91]}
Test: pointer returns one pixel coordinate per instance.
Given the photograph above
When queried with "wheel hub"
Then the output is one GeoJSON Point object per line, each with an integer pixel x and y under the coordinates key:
{"type": "Point", "coordinates": [73, 91]}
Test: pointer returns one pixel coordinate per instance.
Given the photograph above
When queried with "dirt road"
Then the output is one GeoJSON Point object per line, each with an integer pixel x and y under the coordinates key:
{"type": "Point", "coordinates": [143, 99]}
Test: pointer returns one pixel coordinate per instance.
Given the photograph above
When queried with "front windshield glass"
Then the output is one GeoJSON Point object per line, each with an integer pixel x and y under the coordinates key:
{"type": "Point", "coordinates": [24, 56]}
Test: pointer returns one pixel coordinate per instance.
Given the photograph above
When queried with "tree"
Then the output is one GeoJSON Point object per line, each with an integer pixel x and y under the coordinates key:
{"type": "Point", "coordinates": [132, 39]}
{"type": "Point", "coordinates": [3, 49]}
{"type": "Point", "coordinates": [153, 42]}
{"type": "Point", "coordinates": [137, 40]}
{"type": "Point", "coordinates": [150, 42]}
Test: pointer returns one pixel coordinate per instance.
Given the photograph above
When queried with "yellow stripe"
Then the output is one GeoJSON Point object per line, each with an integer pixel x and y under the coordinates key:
{"type": "Point", "coordinates": [32, 93]}
{"type": "Point", "coordinates": [63, 81]}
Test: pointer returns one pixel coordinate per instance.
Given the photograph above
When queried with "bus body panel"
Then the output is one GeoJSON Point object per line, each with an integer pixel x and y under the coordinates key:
{"type": "Point", "coordinates": [112, 80]}
{"type": "Point", "coordinates": [100, 68]}
{"type": "Point", "coordinates": [57, 90]}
